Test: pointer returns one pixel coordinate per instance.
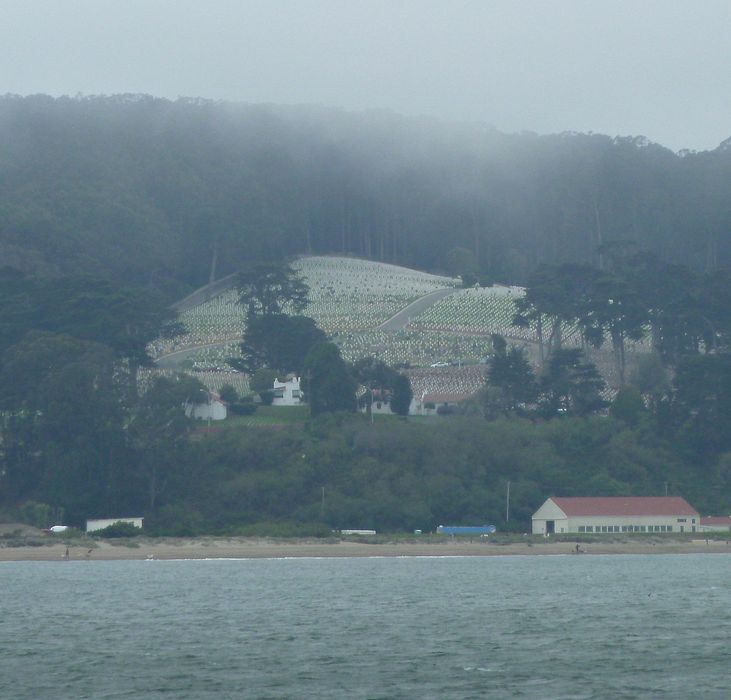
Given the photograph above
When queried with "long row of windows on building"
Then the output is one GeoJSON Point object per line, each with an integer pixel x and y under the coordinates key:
{"type": "Point", "coordinates": [626, 528]}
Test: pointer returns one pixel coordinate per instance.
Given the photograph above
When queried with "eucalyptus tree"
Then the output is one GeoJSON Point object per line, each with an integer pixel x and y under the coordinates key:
{"type": "Point", "coordinates": [402, 395]}
{"type": "Point", "coordinates": [715, 310]}
{"type": "Point", "coordinates": [266, 289]}
{"type": "Point", "coordinates": [558, 295]}
{"type": "Point", "coordinates": [613, 308]}
{"type": "Point", "coordinates": [510, 385]}
{"type": "Point", "coordinates": [125, 319]}
{"type": "Point", "coordinates": [702, 403]}
{"type": "Point", "coordinates": [62, 424]}
{"type": "Point", "coordinates": [569, 385]}
{"type": "Point", "coordinates": [329, 384]}
{"type": "Point", "coordinates": [157, 425]}
{"type": "Point", "coordinates": [274, 338]}
{"type": "Point", "coordinates": [277, 342]}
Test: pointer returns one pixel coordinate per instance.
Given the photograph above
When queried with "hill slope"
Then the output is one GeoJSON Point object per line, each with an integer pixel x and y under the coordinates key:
{"type": "Point", "coordinates": [353, 300]}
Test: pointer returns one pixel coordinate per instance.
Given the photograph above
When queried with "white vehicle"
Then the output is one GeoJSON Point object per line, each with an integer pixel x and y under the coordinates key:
{"type": "Point", "coordinates": [440, 364]}
{"type": "Point", "coordinates": [57, 529]}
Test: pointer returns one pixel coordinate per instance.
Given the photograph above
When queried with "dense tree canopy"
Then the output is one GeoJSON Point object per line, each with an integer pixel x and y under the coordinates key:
{"type": "Point", "coordinates": [73, 430]}
{"type": "Point", "coordinates": [163, 194]}
{"type": "Point", "coordinates": [329, 384]}
{"type": "Point", "coordinates": [268, 289]}
{"type": "Point", "coordinates": [278, 342]}
{"type": "Point", "coordinates": [391, 385]}
{"type": "Point", "coordinates": [511, 382]}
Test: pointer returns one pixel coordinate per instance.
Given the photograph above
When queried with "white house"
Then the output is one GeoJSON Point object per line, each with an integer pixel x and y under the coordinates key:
{"type": "Point", "coordinates": [380, 400]}
{"type": "Point", "coordinates": [431, 403]}
{"type": "Point", "coordinates": [287, 393]}
{"type": "Point", "coordinates": [615, 514]}
{"type": "Point", "coordinates": [100, 524]}
{"type": "Point", "coordinates": [212, 409]}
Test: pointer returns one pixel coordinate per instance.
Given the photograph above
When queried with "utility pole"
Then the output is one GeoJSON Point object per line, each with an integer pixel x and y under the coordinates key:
{"type": "Point", "coordinates": [308, 393]}
{"type": "Point", "coordinates": [322, 505]}
{"type": "Point", "coordinates": [371, 404]}
{"type": "Point", "coordinates": [507, 504]}
{"type": "Point", "coordinates": [666, 488]}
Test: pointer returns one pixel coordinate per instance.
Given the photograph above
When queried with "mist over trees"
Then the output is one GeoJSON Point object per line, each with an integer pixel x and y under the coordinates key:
{"type": "Point", "coordinates": [168, 194]}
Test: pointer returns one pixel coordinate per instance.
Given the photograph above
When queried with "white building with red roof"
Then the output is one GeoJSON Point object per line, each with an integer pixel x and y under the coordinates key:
{"type": "Point", "coordinates": [615, 514]}
{"type": "Point", "coordinates": [716, 523]}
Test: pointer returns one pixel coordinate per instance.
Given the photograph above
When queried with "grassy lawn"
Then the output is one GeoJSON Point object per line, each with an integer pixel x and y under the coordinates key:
{"type": "Point", "coordinates": [273, 416]}
{"type": "Point", "coordinates": [269, 415]}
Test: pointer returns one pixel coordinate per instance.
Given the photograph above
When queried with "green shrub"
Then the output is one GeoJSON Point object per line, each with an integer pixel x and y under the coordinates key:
{"type": "Point", "coordinates": [38, 514]}
{"type": "Point", "coordinates": [118, 529]}
{"type": "Point", "coordinates": [228, 394]}
{"type": "Point", "coordinates": [242, 409]}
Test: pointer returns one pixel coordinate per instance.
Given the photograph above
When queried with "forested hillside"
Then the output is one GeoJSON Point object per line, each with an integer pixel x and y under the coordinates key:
{"type": "Point", "coordinates": [110, 208]}
{"type": "Point", "coordinates": [155, 192]}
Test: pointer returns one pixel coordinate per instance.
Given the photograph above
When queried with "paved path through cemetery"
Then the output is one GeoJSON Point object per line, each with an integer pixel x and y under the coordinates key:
{"type": "Point", "coordinates": [402, 318]}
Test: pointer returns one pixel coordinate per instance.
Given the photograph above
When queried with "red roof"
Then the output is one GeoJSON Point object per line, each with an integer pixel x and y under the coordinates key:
{"type": "Point", "coordinates": [625, 505]}
{"type": "Point", "coordinates": [724, 520]}
{"type": "Point", "coordinates": [445, 398]}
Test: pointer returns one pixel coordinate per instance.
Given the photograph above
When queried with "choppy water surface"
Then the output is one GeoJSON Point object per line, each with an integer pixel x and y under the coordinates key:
{"type": "Point", "coordinates": [492, 627]}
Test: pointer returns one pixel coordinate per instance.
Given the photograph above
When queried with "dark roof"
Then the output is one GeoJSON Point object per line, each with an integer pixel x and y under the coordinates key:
{"type": "Point", "coordinates": [625, 505]}
{"type": "Point", "coordinates": [445, 398]}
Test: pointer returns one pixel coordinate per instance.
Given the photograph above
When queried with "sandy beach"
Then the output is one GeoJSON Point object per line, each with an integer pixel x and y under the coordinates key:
{"type": "Point", "coordinates": [257, 548]}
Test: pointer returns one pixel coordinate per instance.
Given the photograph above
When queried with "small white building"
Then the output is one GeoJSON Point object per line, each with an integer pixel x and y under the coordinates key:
{"type": "Point", "coordinates": [429, 404]}
{"type": "Point", "coordinates": [615, 514]}
{"type": "Point", "coordinates": [287, 393]}
{"type": "Point", "coordinates": [716, 523]}
{"type": "Point", "coordinates": [380, 400]}
{"type": "Point", "coordinates": [100, 524]}
{"type": "Point", "coordinates": [212, 409]}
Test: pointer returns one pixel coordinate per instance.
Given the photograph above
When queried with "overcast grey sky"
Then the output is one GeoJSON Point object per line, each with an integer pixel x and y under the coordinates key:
{"type": "Point", "coordinates": [657, 68]}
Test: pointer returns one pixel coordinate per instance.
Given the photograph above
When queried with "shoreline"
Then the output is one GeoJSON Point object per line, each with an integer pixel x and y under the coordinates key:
{"type": "Point", "coordinates": [263, 548]}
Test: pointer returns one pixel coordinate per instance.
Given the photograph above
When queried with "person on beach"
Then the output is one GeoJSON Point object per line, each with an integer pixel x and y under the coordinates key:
{"type": "Point", "coordinates": [66, 556]}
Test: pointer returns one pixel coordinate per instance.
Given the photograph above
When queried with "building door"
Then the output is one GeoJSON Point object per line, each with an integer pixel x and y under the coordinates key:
{"type": "Point", "coordinates": [682, 528]}
{"type": "Point", "coordinates": [550, 527]}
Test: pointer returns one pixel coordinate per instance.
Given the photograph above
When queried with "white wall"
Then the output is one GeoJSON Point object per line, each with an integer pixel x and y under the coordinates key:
{"type": "Point", "coordinates": [291, 392]}
{"type": "Point", "coordinates": [214, 410]}
{"type": "Point", "coordinates": [687, 522]}
{"type": "Point", "coordinates": [549, 511]}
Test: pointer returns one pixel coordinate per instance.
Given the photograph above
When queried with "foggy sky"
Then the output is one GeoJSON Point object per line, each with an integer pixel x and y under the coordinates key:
{"type": "Point", "coordinates": [661, 69]}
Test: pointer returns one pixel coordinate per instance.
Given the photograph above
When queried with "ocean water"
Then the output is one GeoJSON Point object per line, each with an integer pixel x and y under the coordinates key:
{"type": "Point", "coordinates": [485, 627]}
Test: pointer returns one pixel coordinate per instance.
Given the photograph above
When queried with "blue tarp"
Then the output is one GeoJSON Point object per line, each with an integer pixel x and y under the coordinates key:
{"type": "Point", "coordinates": [465, 529]}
